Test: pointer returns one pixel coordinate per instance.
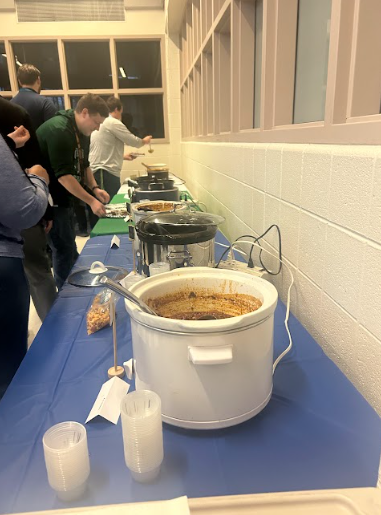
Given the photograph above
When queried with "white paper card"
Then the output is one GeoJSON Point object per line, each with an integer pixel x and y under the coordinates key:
{"type": "Point", "coordinates": [115, 241]}
{"type": "Point", "coordinates": [107, 404]}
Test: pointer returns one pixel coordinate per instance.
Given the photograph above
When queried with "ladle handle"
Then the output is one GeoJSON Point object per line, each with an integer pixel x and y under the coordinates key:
{"type": "Point", "coordinates": [117, 288]}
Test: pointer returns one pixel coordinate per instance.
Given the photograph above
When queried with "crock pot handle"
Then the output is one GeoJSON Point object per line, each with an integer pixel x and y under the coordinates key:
{"type": "Point", "coordinates": [129, 367]}
{"type": "Point", "coordinates": [210, 355]}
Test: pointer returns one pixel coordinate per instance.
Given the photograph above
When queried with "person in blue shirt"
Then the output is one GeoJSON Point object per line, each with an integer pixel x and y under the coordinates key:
{"type": "Point", "coordinates": [26, 194]}
{"type": "Point", "coordinates": [40, 108]}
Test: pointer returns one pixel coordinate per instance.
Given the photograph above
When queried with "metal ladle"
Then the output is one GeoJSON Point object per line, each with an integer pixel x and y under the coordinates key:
{"type": "Point", "coordinates": [117, 288]}
{"type": "Point", "coordinates": [150, 148]}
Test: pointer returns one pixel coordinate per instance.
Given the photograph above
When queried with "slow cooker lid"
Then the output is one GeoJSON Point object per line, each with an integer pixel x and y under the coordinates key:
{"type": "Point", "coordinates": [178, 227]}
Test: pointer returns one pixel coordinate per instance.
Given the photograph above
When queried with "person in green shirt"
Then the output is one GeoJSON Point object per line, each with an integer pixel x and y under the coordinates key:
{"type": "Point", "coordinates": [64, 142]}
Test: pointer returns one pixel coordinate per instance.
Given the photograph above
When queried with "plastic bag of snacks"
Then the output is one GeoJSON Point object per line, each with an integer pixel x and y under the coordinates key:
{"type": "Point", "coordinates": [98, 316]}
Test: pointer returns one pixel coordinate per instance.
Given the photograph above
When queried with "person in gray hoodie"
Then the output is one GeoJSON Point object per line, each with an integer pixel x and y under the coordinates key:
{"type": "Point", "coordinates": [24, 201]}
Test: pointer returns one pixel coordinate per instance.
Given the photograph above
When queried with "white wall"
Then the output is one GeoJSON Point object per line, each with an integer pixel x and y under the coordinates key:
{"type": "Point", "coordinates": [327, 202]}
{"type": "Point", "coordinates": [137, 23]}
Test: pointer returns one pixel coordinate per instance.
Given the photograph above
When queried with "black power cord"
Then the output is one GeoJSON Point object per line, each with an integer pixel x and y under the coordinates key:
{"type": "Point", "coordinates": [257, 239]}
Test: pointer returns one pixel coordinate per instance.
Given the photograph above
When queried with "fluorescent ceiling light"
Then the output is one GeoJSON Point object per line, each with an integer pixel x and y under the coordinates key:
{"type": "Point", "coordinates": [123, 73]}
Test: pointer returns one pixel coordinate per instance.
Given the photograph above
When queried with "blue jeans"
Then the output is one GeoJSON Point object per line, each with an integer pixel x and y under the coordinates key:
{"type": "Point", "coordinates": [62, 242]}
{"type": "Point", "coordinates": [14, 313]}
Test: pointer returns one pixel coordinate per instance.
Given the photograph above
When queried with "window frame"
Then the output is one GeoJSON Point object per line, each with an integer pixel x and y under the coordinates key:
{"type": "Point", "coordinates": [339, 126]}
{"type": "Point", "coordinates": [115, 90]}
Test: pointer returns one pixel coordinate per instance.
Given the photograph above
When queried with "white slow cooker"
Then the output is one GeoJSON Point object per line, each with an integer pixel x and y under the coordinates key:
{"type": "Point", "coordinates": [208, 373]}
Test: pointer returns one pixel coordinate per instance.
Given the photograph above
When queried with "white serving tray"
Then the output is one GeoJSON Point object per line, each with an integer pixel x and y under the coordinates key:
{"type": "Point", "coordinates": [356, 501]}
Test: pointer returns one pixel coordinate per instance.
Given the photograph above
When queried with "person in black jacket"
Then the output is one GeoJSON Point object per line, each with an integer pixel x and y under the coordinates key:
{"type": "Point", "coordinates": [36, 262]}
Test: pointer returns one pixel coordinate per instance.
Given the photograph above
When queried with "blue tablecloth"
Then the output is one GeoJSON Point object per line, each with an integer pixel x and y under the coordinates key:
{"type": "Point", "coordinates": [316, 432]}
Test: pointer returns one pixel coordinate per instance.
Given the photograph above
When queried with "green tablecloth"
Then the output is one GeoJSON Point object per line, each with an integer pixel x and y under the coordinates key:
{"type": "Point", "coordinates": [106, 226]}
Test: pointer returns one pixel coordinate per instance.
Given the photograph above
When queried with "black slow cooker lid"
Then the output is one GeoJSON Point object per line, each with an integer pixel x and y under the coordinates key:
{"type": "Point", "coordinates": [178, 228]}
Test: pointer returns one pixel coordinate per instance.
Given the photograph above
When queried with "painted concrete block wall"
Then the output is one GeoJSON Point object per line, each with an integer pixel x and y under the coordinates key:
{"type": "Point", "coordinates": [327, 202]}
{"type": "Point", "coordinates": [145, 22]}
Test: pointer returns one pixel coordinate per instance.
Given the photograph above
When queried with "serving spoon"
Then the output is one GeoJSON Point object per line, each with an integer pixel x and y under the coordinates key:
{"type": "Point", "coordinates": [117, 288]}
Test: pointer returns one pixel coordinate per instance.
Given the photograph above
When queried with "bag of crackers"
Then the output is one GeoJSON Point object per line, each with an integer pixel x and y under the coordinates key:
{"type": "Point", "coordinates": [98, 315]}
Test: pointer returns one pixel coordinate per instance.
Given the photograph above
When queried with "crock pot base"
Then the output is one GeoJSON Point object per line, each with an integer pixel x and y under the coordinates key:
{"type": "Point", "coordinates": [216, 424]}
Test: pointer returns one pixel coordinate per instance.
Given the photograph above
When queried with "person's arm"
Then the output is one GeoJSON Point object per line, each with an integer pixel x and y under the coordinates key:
{"type": "Point", "coordinates": [73, 187]}
{"type": "Point", "coordinates": [121, 132]}
{"type": "Point", "coordinates": [27, 196]}
{"type": "Point", "coordinates": [91, 183]}
{"type": "Point", "coordinates": [49, 109]}
{"type": "Point", "coordinates": [61, 157]}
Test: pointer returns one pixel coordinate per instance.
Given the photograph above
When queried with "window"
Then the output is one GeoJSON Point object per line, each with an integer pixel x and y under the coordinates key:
{"type": "Point", "coordinates": [58, 101]}
{"type": "Point", "coordinates": [88, 65]}
{"type": "Point", "coordinates": [45, 57]}
{"type": "Point", "coordinates": [296, 71]}
{"type": "Point", "coordinates": [74, 99]}
{"type": "Point", "coordinates": [139, 64]}
{"type": "Point", "coordinates": [143, 114]}
{"type": "Point", "coordinates": [5, 84]}
{"type": "Point", "coordinates": [258, 20]}
{"type": "Point", "coordinates": [311, 60]}
{"type": "Point", "coordinates": [130, 68]}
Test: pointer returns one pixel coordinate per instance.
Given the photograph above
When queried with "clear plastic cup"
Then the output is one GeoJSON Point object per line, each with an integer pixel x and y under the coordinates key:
{"type": "Point", "coordinates": [131, 279]}
{"type": "Point", "coordinates": [159, 267]}
{"type": "Point", "coordinates": [67, 459]}
{"type": "Point", "coordinates": [142, 434]}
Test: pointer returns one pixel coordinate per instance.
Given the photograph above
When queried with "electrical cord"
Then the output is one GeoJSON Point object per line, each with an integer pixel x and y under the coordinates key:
{"type": "Point", "coordinates": [250, 261]}
{"type": "Point", "coordinates": [230, 246]}
{"type": "Point", "coordinates": [255, 244]}
{"type": "Point", "coordinates": [256, 239]}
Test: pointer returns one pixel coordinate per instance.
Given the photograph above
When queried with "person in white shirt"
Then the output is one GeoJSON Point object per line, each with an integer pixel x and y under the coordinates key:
{"type": "Point", "coordinates": [107, 148]}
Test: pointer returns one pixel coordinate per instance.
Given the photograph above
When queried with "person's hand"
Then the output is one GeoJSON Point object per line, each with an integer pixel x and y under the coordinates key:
{"type": "Point", "coordinates": [129, 157]}
{"type": "Point", "coordinates": [102, 195]}
{"type": "Point", "coordinates": [41, 172]}
{"type": "Point", "coordinates": [20, 136]}
{"type": "Point", "coordinates": [98, 208]}
{"type": "Point", "coordinates": [147, 140]}
{"type": "Point", "coordinates": [48, 226]}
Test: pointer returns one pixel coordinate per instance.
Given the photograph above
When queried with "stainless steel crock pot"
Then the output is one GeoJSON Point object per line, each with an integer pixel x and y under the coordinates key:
{"type": "Point", "coordinates": [182, 239]}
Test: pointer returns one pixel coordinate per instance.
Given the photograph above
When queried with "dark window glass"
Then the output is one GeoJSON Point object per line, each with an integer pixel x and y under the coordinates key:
{"type": "Point", "coordinates": [143, 114]}
{"type": "Point", "coordinates": [139, 64]}
{"type": "Point", "coordinates": [43, 56]}
{"type": "Point", "coordinates": [5, 85]}
{"type": "Point", "coordinates": [88, 65]}
{"type": "Point", "coordinates": [74, 99]}
{"type": "Point", "coordinates": [59, 102]}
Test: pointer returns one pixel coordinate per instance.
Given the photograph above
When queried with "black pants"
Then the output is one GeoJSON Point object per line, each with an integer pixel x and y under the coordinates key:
{"type": "Point", "coordinates": [37, 268]}
{"type": "Point", "coordinates": [14, 313]}
{"type": "Point", "coordinates": [62, 242]}
{"type": "Point", "coordinates": [107, 181]}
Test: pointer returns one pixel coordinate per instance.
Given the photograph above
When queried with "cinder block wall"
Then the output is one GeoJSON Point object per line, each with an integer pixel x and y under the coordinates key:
{"type": "Point", "coordinates": [327, 202]}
